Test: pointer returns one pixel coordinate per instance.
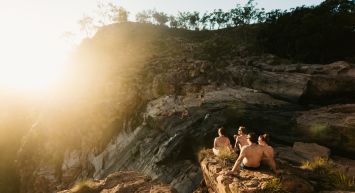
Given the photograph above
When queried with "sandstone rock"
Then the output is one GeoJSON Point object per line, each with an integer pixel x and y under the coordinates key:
{"type": "Point", "coordinates": [296, 184]}
{"type": "Point", "coordinates": [247, 180]}
{"type": "Point", "coordinates": [311, 151]}
{"type": "Point", "coordinates": [287, 154]}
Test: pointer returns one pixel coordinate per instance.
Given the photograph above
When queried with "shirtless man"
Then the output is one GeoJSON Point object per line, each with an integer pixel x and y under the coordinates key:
{"type": "Point", "coordinates": [221, 143]}
{"type": "Point", "coordinates": [250, 156]}
{"type": "Point", "coordinates": [268, 159]}
{"type": "Point", "coordinates": [241, 139]}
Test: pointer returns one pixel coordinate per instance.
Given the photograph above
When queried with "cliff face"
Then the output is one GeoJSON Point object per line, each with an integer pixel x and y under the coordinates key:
{"type": "Point", "coordinates": [147, 98]}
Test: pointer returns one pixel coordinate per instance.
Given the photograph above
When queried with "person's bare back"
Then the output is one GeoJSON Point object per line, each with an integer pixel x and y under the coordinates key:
{"type": "Point", "coordinates": [252, 155]}
{"type": "Point", "coordinates": [221, 141]}
{"type": "Point", "coordinates": [269, 152]}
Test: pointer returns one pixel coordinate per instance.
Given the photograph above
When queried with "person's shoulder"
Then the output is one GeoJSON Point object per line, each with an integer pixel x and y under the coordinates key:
{"type": "Point", "coordinates": [243, 136]}
{"type": "Point", "coordinates": [270, 148]}
{"type": "Point", "coordinates": [226, 138]}
{"type": "Point", "coordinates": [247, 147]}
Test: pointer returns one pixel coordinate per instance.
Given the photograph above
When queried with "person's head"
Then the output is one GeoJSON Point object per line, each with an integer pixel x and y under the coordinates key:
{"type": "Point", "coordinates": [221, 131]}
{"type": "Point", "coordinates": [242, 130]}
{"type": "Point", "coordinates": [252, 138]}
{"type": "Point", "coordinates": [263, 138]}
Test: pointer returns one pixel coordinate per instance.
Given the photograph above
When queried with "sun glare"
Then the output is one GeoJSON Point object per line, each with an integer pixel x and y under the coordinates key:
{"type": "Point", "coordinates": [32, 70]}
{"type": "Point", "coordinates": [32, 61]}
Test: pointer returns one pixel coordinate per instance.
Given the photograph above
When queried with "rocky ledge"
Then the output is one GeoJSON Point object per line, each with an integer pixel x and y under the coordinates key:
{"type": "Point", "coordinates": [306, 167]}
{"type": "Point", "coordinates": [121, 182]}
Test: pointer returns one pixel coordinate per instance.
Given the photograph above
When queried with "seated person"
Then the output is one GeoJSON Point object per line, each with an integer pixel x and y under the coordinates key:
{"type": "Point", "coordinates": [250, 156]}
{"type": "Point", "coordinates": [268, 159]}
{"type": "Point", "coordinates": [221, 145]}
{"type": "Point", "coordinates": [241, 138]}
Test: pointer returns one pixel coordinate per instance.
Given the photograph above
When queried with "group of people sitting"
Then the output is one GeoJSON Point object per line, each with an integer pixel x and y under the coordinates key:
{"type": "Point", "coordinates": [253, 151]}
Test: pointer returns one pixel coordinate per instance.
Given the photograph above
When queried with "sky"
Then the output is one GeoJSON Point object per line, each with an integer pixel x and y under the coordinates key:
{"type": "Point", "coordinates": [170, 6]}
{"type": "Point", "coordinates": [31, 44]}
{"type": "Point", "coordinates": [54, 17]}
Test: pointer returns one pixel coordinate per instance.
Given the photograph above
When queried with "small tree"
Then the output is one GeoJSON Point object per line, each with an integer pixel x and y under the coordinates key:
{"type": "Point", "coordinates": [193, 18]}
{"type": "Point", "coordinates": [212, 20]}
{"type": "Point", "coordinates": [219, 17]}
{"type": "Point", "coordinates": [160, 17]}
{"type": "Point", "coordinates": [144, 16]}
{"type": "Point", "coordinates": [121, 15]}
{"type": "Point", "coordinates": [204, 20]}
{"type": "Point", "coordinates": [236, 15]}
{"type": "Point", "coordinates": [173, 23]}
{"type": "Point", "coordinates": [86, 25]}
{"type": "Point", "coordinates": [183, 20]}
{"type": "Point", "coordinates": [107, 12]}
{"type": "Point", "coordinates": [249, 12]}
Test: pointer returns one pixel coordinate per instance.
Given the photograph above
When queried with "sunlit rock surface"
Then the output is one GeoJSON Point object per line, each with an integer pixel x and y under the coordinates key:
{"type": "Point", "coordinates": [122, 182]}
{"type": "Point", "coordinates": [247, 181]}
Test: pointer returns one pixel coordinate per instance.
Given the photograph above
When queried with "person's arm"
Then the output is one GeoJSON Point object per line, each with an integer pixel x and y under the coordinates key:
{"type": "Point", "coordinates": [236, 142]}
{"type": "Point", "coordinates": [236, 167]}
{"type": "Point", "coordinates": [271, 161]}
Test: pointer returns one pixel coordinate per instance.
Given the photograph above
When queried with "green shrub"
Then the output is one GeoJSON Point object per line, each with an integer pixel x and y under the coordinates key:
{"type": "Point", "coordinates": [342, 182]}
{"type": "Point", "coordinates": [86, 186]}
{"type": "Point", "coordinates": [203, 153]}
{"type": "Point", "coordinates": [273, 186]}
{"type": "Point", "coordinates": [331, 176]}
{"type": "Point", "coordinates": [320, 166]}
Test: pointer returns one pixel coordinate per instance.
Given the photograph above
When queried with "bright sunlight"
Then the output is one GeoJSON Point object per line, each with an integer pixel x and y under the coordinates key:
{"type": "Point", "coordinates": [33, 50]}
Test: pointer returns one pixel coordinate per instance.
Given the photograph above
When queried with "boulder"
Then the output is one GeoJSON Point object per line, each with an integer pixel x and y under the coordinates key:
{"type": "Point", "coordinates": [332, 126]}
{"type": "Point", "coordinates": [287, 154]}
{"type": "Point", "coordinates": [311, 151]}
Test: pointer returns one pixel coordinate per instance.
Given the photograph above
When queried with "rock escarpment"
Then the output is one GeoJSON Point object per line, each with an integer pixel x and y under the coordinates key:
{"type": "Point", "coordinates": [148, 102]}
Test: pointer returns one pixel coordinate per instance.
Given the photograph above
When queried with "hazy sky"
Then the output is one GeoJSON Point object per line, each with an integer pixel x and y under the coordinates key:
{"type": "Point", "coordinates": [171, 6]}
{"type": "Point", "coordinates": [53, 17]}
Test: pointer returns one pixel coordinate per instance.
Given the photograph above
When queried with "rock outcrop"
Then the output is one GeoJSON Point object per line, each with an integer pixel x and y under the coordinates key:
{"type": "Point", "coordinates": [313, 174]}
{"type": "Point", "coordinates": [247, 181]}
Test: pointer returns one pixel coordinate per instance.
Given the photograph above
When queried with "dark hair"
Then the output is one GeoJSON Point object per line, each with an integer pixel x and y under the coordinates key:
{"type": "Point", "coordinates": [252, 137]}
{"type": "Point", "coordinates": [222, 130]}
{"type": "Point", "coordinates": [265, 137]}
{"type": "Point", "coordinates": [242, 128]}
